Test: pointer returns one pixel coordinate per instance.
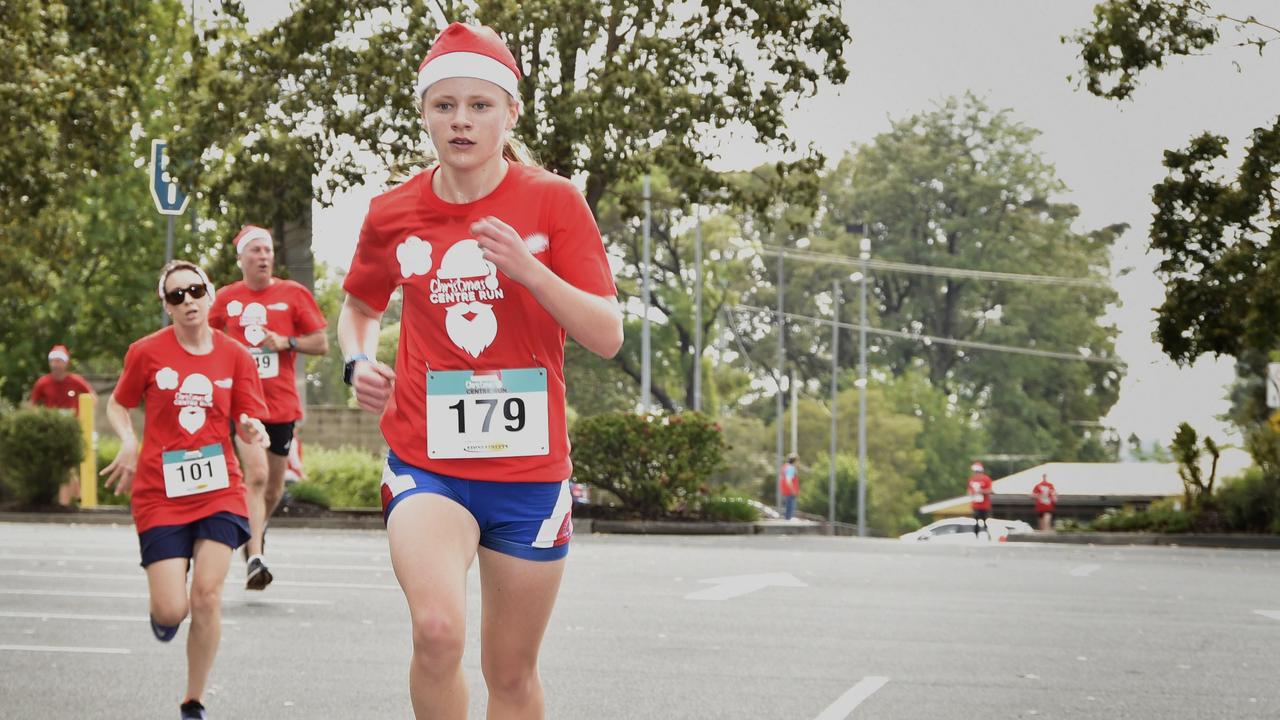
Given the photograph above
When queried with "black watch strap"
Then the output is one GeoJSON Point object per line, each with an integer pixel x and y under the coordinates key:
{"type": "Point", "coordinates": [350, 366]}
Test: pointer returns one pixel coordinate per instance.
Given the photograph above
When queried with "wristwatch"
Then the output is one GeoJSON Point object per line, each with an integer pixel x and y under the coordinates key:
{"type": "Point", "coordinates": [293, 343]}
{"type": "Point", "coordinates": [350, 366]}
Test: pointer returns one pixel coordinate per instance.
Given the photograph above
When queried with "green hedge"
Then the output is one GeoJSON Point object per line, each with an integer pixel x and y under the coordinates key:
{"type": "Point", "coordinates": [38, 449]}
{"type": "Point", "coordinates": [1162, 516]}
{"type": "Point", "coordinates": [346, 477]}
{"type": "Point", "coordinates": [657, 466]}
{"type": "Point", "coordinates": [108, 448]}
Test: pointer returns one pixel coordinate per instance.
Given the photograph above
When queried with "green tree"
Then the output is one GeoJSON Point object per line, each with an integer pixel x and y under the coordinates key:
{"type": "Point", "coordinates": [961, 187]}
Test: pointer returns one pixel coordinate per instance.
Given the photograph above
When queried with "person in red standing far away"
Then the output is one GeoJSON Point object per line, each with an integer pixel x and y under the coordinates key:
{"type": "Point", "coordinates": [980, 497]}
{"type": "Point", "coordinates": [1046, 497]}
{"type": "Point", "coordinates": [789, 485]}
{"type": "Point", "coordinates": [61, 389]}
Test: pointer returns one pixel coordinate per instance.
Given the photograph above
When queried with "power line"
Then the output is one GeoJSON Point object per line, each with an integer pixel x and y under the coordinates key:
{"type": "Point", "coordinates": [971, 344]}
{"type": "Point", "coordinates": [935, 270]}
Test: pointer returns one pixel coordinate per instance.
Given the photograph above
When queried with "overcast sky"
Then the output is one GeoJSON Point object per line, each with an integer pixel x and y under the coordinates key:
{"type": "Point", "coordinates": [906, 55]}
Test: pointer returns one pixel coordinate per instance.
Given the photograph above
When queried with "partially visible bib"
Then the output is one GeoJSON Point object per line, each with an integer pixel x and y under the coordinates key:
{"type": "Point", "coordinates": [268, 362]}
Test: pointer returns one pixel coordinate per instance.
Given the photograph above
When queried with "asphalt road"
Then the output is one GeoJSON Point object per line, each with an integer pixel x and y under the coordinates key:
{"type": "Point", "coordinates": [806, 628]}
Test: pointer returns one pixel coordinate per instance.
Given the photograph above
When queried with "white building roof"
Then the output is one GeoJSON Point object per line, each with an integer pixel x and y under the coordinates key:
{"type": "Point", "coordinates": [1127, 480]}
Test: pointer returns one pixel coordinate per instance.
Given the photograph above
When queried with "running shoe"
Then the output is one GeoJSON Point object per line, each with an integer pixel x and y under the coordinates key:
{"type": "Point", "coordinates": [256, 575]}
{"type": "Point", "coordinates": [193, 710]}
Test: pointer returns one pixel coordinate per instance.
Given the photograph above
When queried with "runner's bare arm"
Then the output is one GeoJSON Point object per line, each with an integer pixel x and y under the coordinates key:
{"type": "Point", "coordinates": [594, 321]}
{"type": "Point", "coordinates": [358, 334]}
{"type": "Point", "coordinates": [315, 343]}
{"type": "Point", "coordinates": [120, 471]}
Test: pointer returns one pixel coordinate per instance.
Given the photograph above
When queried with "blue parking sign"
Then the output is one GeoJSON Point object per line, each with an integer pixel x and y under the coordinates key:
{"type": "Point", "coordinates": [169, 199]}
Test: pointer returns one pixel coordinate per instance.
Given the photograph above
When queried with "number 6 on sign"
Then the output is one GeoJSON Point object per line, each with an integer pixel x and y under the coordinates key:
{"type": "Point", "coordinates": [487, 413]}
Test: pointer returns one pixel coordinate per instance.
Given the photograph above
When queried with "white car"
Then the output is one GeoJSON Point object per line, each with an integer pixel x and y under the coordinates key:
{"type": "Point", "coordinates": [960, 530]}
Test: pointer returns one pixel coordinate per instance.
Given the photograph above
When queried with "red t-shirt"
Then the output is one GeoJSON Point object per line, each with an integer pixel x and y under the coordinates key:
{"type": "Point", "coordinates": [62, 394]}
{"type": "Point", "coordinates": [285, 308]}
{"type": "Point", "coordinates": [980, 488]}
{"type": "Point", "coordinates": [461, 313]}
{"type": "Point", "coordinates": [1046, 496]}
{"type": "Point", "coordinates": [190, 401]}
{"type": "Point", "coordinates": [789, 480]}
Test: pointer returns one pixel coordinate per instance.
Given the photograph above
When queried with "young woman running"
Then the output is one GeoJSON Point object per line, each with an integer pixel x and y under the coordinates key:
{"type": "Point", "coordinates": [497, 259]}
{"type": "Point", "coordinates": [188, 496]}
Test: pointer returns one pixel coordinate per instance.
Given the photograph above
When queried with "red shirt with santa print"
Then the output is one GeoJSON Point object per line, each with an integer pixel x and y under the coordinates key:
{"type": "Point", "coordinates": [980, 491]}
{"type": "Point", "coordinates": [187, 468]}
{"type": "Point", "coordinates": [479, 391]}
{"type": "Point", "coordinates": [284, 307]}
{"type": "Point", "coordinates": [1046, 496]}
{"type": "Point", "coordinates": [62, 394]}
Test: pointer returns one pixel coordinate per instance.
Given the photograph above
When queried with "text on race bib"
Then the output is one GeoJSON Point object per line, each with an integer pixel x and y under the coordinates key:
{"type": "Point", "coordinates": [268, 362]}
{"type": "Point", "coordinates": [191, 472]}
{"type": "Point", "coordinates": [487, 414]}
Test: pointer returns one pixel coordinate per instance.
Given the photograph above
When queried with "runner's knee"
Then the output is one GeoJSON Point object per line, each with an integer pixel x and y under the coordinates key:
{"type": "Point", "coordinates": [437, 641]}
{"type": "Point", "coordinates": [205, 599]}
{"type": "Point", "coordinates": [169, 613]}
{"type": "Point", "coordinates": [511, 679]}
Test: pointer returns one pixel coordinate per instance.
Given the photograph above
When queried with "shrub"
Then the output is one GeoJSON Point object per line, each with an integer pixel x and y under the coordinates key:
{"type": "Point", "coordinates": [656, 466]}
{"type": "Point", "coordinates": [108, 448]}
{"type": "Point", "coordinates": [1163, 516]}
{"type": "Point", "coordinates": [1251, 502]}
{"type": "Point", "coordinates": [349, 477]}
{"type": "Point", "coordinates": [38, 449]}
{"type": "Point", "coordinates": [728, 508]}
{"type": "Point", "coordinates": [309, 492]}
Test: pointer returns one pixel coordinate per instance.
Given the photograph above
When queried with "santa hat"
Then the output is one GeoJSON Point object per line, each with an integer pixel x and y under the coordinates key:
{"type": "Point", "coordinates": [59, 352]}
{"type": "Point", "coordinates": [977, 466]}
{"type": "Point", "coordinates": [471, 52]}
{"type": "Point", "coordinates": [248, 234]}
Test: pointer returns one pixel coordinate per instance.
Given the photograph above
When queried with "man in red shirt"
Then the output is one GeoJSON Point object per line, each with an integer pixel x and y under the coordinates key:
{"type": "Point", "coordinates": [275, 319]}
{"type": "Point", "coordinates": [980, 497]}
{"type": "Point", "coordinates": [1046, 496]}
{"type": "Point", "coordinates": [789, 485]}
{"type": "Point", "coordinates": [61, 390]}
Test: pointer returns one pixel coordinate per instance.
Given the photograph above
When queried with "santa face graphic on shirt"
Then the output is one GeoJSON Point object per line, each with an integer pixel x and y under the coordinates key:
{"type": "Point", "coordinates": [465, 283]}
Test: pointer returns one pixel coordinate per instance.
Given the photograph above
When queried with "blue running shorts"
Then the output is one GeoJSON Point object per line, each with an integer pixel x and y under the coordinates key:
{"type": "Point", "coordinates": [173, 541]}
{"type": "Point", "coordinates": [529, 520]}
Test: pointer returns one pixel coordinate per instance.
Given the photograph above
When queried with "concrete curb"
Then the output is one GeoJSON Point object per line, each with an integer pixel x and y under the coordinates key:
{"type": "Point", "coordinates": [1218, 540]}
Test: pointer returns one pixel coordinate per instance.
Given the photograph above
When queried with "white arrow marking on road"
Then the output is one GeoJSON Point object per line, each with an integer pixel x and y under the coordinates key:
{"type": "Point", "coordinates": [735, 585]}
{"type": "Point", "coordinates": [1084, 570]}
{"type": "Point", "coordinates": [50, 648]}
{"type": "Point", "coordinates": [1273, 614]}
{"type": "Point", "coordinates": [853, 697]}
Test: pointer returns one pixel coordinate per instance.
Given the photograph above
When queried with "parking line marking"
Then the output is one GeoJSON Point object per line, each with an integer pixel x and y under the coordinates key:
{"type": "Point", "coordinates": [144, 596]}
{"type": "Point", "coordinates": [1273, 614]}
{"type": "Point", "coordinates": [51, 648]}
{"type": "Point", "coordinates": [1084, 570]}
{"type": "Point", "coordinates": [372, 566]}
{"type": "Point", "coordinates": [853, 697]}
{"type": "Point", "coordinates": [95, 618]}
{"type": "Point", "coordinates": [142, 578]}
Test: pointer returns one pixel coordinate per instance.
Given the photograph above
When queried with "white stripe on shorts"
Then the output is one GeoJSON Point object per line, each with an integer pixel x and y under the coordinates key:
{"type": "Point", "coordinates": [551, 526]}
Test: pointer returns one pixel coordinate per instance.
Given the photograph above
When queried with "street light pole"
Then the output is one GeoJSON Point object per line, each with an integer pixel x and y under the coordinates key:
{"type": "Point", "coordinates": [644, 321]}
{"type": "Point", "coordinates": [864, 255]}
{"type": "Point", "coordinates": [835, 361]}
{"type": "Point", "coordinates": [782, 359]}
{"type": "Point", "coordinates": [697, 308]}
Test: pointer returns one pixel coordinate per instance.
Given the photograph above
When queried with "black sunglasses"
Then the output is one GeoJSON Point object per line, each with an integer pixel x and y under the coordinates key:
{"type": "Point", "coordinates": [177, 297]}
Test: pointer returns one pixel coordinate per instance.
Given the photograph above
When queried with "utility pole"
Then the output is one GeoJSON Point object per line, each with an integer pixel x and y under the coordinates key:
{"type": "Point", "coordinates": [864, 255]}
{"type": "Point", "coordinates": [835, 361]}
{"type": "Point", "coordinates": [782, 359]}
{"type": "Point", "coordinates": [697, 308]}
{"type": "Point", "coordinates": [644, 321]}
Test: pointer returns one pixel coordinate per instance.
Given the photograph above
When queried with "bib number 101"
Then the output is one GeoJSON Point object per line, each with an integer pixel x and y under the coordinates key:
{"type": "Point", "coordinates": [513, 413]}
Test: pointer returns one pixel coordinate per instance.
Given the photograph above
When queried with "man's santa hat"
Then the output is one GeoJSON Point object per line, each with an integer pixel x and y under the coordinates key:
{"type": "Point", "coordinates": [471, 52]}
{"type": "Point", "coordinates": [977, 466]}
{"type": "Point", "coordinates": [248, 234]}
{"type": "Point", "coordinates": [59, 352]}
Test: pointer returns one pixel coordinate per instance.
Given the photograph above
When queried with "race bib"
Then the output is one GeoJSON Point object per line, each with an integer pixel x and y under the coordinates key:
{"type": "Point", "coordinates": [976, 497]}
{"type": "Point", "coordinates": [268, 362]}
{"type": "Point", "coordinates": [191, 472]}
{"type": "Point", "coordinates": [487, 413]}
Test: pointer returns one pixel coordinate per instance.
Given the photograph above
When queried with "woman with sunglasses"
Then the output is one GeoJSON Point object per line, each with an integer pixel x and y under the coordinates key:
{"type": "Point", "coordinates": [188, 496]}
{"type": "Point", "coordinates": [497, 260]}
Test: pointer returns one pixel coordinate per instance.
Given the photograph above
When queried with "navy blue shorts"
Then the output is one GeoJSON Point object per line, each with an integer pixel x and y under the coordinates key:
{"type": "Point", "coordinates": [179, 541]}
{"type": "Point", "coordinates": [528, 520]}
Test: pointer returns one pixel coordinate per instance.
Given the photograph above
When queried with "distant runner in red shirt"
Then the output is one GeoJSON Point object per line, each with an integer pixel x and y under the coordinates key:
{"type": "Point", "coordinates": [61, 389]}
{"type": "Point", "coordinates": [188, 498]}
{"type": "Point", "coordinates": [497, 260]}
{"type": "Point", "coordinates": [979, 497]}
{"type": "Point", "coordinates": [789, 485]}
{"type": "Point", "coordinates": [275, 319]}
{"type": "Point", "coordinates": [1046, 497]}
